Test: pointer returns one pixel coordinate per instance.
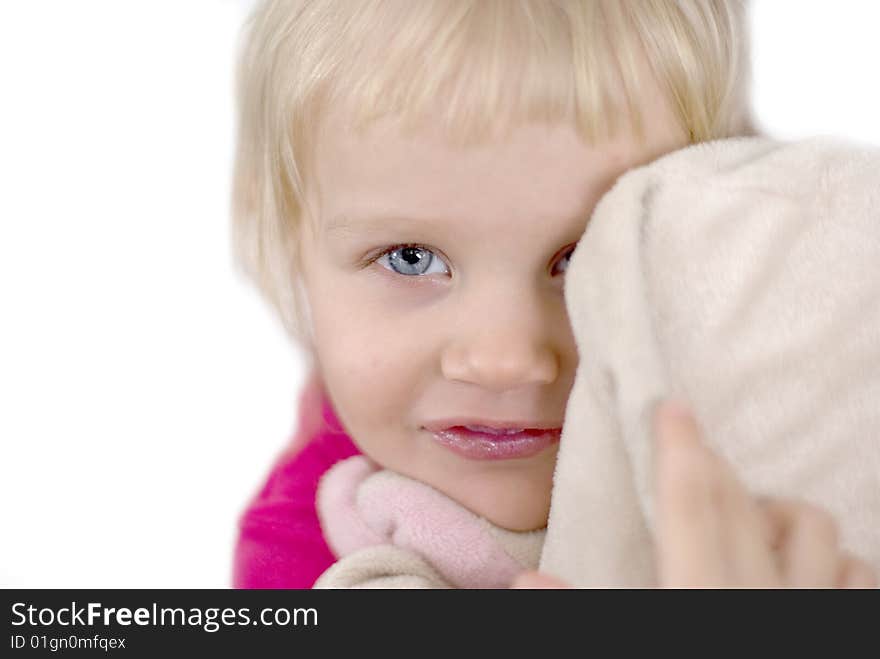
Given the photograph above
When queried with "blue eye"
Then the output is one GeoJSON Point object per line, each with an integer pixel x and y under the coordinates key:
{"type": "Point", "coordinates": [564, 261]}
{"type": "Point", "coordinates": [412, 260]}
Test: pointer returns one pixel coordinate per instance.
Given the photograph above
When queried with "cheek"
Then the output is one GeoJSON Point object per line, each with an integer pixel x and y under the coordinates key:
{"type": "Point", "coordinates": [374, 360]}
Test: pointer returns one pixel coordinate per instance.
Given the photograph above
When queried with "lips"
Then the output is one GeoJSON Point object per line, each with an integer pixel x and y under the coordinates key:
{"type": "Point", "coordinates": [498, 441]}
{"type": "Point", "coordinates": [489, 430]}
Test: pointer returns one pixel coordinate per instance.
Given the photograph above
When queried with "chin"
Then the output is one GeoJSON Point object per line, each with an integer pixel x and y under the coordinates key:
{"type": "Point", "coordinates": [516, 518]}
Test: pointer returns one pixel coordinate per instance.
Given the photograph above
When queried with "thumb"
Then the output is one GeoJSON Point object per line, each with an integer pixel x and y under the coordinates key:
{"type": "Point", "coordinates": [532, 579]}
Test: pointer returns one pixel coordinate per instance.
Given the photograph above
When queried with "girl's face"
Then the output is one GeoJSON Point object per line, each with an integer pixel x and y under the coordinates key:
{"type": "Point", "coordinates": [435, 279]}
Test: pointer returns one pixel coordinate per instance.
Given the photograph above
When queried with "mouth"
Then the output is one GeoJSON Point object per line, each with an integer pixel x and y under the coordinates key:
{"type": "Point", "coordinates": [507, 442]}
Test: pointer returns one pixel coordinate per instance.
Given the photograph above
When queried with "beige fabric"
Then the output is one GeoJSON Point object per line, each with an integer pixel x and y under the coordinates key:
{"type": "Point", "coordinates": [744, 277]}
{"type": "Point", "coordinates": [381, 566]}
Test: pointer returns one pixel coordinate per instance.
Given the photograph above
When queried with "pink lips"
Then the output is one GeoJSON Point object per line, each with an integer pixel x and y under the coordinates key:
{"type": "Point", "coordinates": [485, 443]}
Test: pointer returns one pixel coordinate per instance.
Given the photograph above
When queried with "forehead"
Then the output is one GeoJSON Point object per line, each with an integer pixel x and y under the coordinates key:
{"type": "Point", "coordinates": [537, 171]}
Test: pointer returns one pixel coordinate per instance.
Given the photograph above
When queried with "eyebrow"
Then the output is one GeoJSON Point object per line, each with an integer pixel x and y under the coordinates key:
{"type": "Point", "coordinates": [348, 223]}
{"type": "Point", "coordinates": [353, 223]}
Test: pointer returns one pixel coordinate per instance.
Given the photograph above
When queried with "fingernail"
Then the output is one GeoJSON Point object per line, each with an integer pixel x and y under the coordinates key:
{"type": "Point", "coordinates": [675, 422]}
{"type": "Point", "coordinates": [677, 409]}
{"type": "Point", "coordinates": [670, 411]}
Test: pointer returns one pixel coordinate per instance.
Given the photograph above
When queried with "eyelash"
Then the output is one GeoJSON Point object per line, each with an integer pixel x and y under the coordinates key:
{"type": "Point", "coordinates": [385, 252]}
{"type": "Point", "coordinates": [569, 249]}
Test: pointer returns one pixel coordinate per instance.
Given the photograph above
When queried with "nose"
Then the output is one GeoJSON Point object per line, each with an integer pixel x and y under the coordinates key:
{"type": "Point", "coordinates": [497, 353]}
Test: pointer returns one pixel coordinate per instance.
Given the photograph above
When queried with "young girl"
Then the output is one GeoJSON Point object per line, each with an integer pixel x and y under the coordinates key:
{"type": "Point", "coordinates": [411, 180]}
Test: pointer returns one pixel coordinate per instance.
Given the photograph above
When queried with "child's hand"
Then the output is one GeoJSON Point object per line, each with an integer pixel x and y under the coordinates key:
{"type": "Point", "coordinates": [711, 532]}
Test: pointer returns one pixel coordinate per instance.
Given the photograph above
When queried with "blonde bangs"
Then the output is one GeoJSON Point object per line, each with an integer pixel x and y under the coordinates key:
{"type": "Point", "coordinates": [481, 67]}
{"type": "Point", "coordinates": [475, 68]}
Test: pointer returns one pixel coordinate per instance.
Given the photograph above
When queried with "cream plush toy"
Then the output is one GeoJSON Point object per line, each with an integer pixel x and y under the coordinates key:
{"type": "Point", "coordinates": [742, 276]}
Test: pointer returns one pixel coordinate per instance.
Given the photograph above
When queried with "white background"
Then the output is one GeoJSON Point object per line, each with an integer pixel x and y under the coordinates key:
{"type": "Point", "coordinates": [145, 388]}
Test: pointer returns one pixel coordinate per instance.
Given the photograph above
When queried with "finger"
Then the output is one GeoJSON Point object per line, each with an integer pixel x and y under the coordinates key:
{"type": "Point", "coordinates": [855, 573]}
{"type": "Point", "coordinates": [777, 516]}
{"type": "Point", "coordinates": [746, 532]}
{"type": "Point", "coordinates": [690, 552]}
{"type": "Point", "coordinates": [807, 541]}
{"type": "Point", "coordinates": [532, 579]}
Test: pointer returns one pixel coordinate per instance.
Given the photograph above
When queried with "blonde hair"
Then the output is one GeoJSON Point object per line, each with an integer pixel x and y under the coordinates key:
{"type": "Point", "coordinates": [492, 64]}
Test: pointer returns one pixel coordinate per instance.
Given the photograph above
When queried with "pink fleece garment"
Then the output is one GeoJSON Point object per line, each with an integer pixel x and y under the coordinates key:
{"type": "Point", "coordinates": [361, 506]}
{"type": "Point", "coordinates": [280, 543]}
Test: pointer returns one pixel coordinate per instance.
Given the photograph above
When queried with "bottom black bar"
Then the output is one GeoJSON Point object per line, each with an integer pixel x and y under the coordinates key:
{"type": "Point", "coordinates": [135, 623]}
